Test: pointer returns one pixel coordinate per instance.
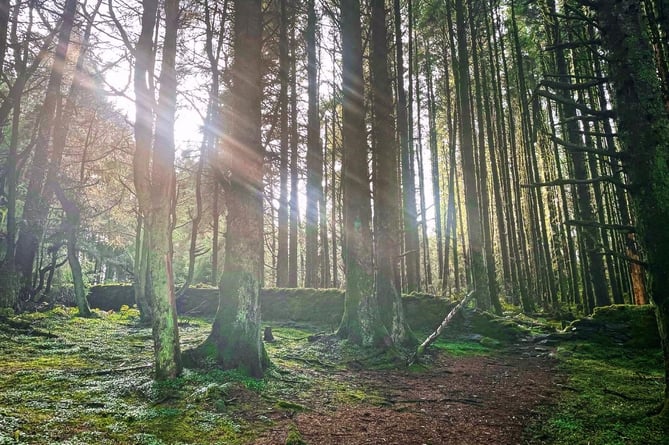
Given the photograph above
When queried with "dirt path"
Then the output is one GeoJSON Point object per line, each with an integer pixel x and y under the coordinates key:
{"type": "Point", "coordinates": [460, 400]}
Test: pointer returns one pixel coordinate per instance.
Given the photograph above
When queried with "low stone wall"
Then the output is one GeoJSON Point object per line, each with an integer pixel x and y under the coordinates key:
{"type": "Point", "coordinates": [317, 306]}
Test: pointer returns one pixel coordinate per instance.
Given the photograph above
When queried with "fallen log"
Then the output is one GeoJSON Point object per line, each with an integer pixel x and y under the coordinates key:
{"type": "Point", "coordinates": [435, 335]}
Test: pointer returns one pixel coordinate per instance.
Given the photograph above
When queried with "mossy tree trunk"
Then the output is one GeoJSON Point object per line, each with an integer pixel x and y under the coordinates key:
{"type": "Point", "coordinates": [141, 160]}
{"type": "Point", "coordinates": [163, 196]}
{"type": "Point", "coordinates": [235, 341]}
{"type": "Point", "coordinates": [71, 227]}
{"type": "Point", "coordinates": [644, 130]}
{"type": "Point", "coordinates": [474, 227]}
{"type": "Point", "coordinates": [361, 322]}
{"type": "Point", "coordinates": [386, 184]}
{"type": "Point", "coordinates": [154, 178]}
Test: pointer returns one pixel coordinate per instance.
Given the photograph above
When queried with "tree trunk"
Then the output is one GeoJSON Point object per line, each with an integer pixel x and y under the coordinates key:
{"type": "Point", "coordinates": [361, 322]}
{"type": "Point", "coordinates": [144, 105]}
{"type": "Point", "coordinates": [294, 156]}
{"type": "Point", "coordinates": [167, 355]}
{"type": "Point", "coordinates": [434, 160]}
{"type": "Point", "coordinates": [314, 155]}
{"type": "Point", "coordinates": [4, 22]}
{"type": "Point", "coordinates": [235, 340]}
{"type": "Point", "coordinates": [410, 254]}
{"type": "Point", "coordinates": [386, 183]}
{"type": "Point", "coordinates": [474, 228]}
{"type": "Point", "coordinates": [71, 227]}
{"type": "Point", "coordinates": [486, 208]}
{"type": "Point", "coordinates": [644, 130]}
{"type": "Point", "coordinates": [282, 235]}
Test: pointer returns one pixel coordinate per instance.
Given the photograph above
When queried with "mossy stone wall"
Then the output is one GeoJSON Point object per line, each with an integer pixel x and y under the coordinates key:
{"type": "Point", "coordinates": [317, 306]}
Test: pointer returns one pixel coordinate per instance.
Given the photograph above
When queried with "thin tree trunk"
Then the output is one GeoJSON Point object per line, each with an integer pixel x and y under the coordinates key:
{"type": "Point", "coordinates": [314, 155]}
{"type": "Point", "coordinates": [410, 254]}
{"type": "Point", "coordinates": [282, 233]}
{"type": "Point", "coordinates": [434, 160]}
{"type": "Point", "coordinates": [294, 214]}
{"type": "Point", "coordinates": [144, 105]}
{"type": "Point", "coordinates": [71, 227]}
{"type": "Point", "coordinates": [326, 279]}
{"type": "Point", "coordinates": [421, 177]}
{"type": "Point", "coordinates": [474, 228]}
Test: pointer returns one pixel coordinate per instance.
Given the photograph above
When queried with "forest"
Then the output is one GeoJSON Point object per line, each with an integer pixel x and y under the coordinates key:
{"type": "Point", "coordinates": [334, 221]}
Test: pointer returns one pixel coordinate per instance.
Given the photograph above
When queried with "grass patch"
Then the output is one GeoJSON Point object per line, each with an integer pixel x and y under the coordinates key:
{"type": "Point", "coordinates": [462, 348]}
{"type": "Point", "coordinates": [608, 397]}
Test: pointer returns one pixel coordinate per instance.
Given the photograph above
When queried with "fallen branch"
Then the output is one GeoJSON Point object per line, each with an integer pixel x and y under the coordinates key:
{"type": "Point", "coordinates": [116, 370]}
{"type": "Point", "coordinates": [435, 335]}
{"type": "Point", "coordinates": [624, 396]}
{"type": "Point", "coordinates": [443, 400]}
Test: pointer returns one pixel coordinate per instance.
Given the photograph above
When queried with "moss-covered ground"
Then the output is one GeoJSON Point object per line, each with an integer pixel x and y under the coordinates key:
{"type": "Point", "coordinates": [609, 396]}
{"type": "Point", "coordinates": [70, 380]}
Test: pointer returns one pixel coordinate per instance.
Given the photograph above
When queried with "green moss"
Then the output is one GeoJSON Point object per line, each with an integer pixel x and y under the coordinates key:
{"type": "Point", "coordinates": [460, 348]}
{"type": "Point", "coordinates": [638, 322]}
{"type": "Point", "coordinates": [503, 329]}
{"type": "Point", "coordinates": [291, 406]}
{"type": "Point", "coordinates": [294, 437]}
{"type": "Point", "coordinates": [609, 396]}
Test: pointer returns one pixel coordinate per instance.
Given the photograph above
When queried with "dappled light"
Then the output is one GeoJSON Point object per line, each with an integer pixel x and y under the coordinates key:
{"type": "Point", "coordinates": [334, 222]}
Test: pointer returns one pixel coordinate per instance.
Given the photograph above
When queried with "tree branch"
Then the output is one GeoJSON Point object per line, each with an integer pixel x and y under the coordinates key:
{"type": "Point", "coordinates": [559, 182]}
{"type": "Point", "coordinates": [584, 148]}
{"type": "Point", "coordinates": [620, 227]}
{"type": "Point", "coordinates": [572, 103]}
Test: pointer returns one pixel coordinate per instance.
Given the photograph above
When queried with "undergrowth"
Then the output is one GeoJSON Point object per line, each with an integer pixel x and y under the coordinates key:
{"type": "Point", "coordinates": [70, 380]}
{"type": "Point", "coordinates": [609, 397]}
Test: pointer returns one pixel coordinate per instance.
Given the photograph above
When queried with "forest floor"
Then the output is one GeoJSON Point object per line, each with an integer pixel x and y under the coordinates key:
{"type": "Point", "coordinates": [69, 380]}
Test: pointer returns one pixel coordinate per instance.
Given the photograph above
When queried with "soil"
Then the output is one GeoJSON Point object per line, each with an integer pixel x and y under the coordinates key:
{"type": "Point", "coordinates": [456, 400]}
{"type": "Point", "coordinates": [64, 379]}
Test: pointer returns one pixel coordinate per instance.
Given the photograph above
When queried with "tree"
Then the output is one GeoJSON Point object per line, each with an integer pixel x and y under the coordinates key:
{"type": "Point", "coordinates": [410, 254]}
{"type": "Point", "coordinates": [70, 229]}
{"type": "Point", "coordinates": [235, 340]}
{"type": "Point", "coordinates": [314, 155]}
{"type": "Point", "coordinates": [38, 196]}
{"type": "Point", "coordinates": [386, 183]}
{"type": "Point", "coordinates": [163, 195]}
{"type": "Point", "coordinates": [282, 236]}
{"type": "Point", "coordinates": [154, 177]}
{"type": "Point", "coordinates": [644, 130]}
{"type": "Point", "coordinates": [474, 227]}
{"type": "Point", "coordinates": [361, 321]}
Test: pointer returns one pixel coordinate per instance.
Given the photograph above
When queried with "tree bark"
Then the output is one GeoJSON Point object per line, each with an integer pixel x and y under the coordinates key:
{"type": "Point", "coordinates": [314, 155]}
{"type": "Point", "coordinates": [411, 254]}
{"type": "Point", "coordinates": [71, 227]}
{"type": "Point", "coordinates": [644, 130]}
{"type": "Point", "coordinates": [474, 228]}
{"type": "Point", "coordinates": [386, 183]}
{"type": "Point", "coordinates": [361, 322]}
{"type": "Point", "coordinates": [235, 340]}
{"type": "Point", "coordinates": [167, 354]}
{"type": "Point", "coordinates": [294, 156]}
{"type": "Point", "coordinates": [282, 235]}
